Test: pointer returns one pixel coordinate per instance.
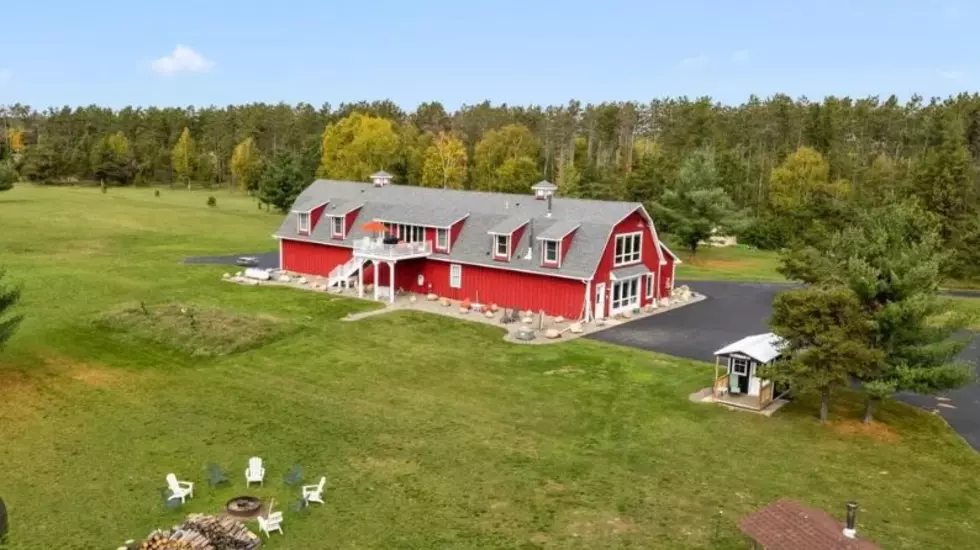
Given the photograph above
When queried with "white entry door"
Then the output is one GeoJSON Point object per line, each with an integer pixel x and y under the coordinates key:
{"type": "Point", "coordinates": [600, 300]}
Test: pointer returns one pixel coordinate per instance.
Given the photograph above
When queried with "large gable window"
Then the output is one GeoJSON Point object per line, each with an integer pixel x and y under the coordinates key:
{"type": "Point", "coordinates": [338, 226]}
{"type": "Point", "coordinates": [628, 248]}
{"type": "Point", "coordinates": [303, 222]}
{"type": "Point", "coordinates": [501, 246]}
{"type": "Point", "coordinates": [550, 254]}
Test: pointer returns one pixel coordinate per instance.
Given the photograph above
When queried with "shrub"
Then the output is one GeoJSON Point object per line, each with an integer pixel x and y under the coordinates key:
{"type": "Point", "coordinates": [156, 193]}
{"type": "Point", "coordinates": [7, 176]}
{"type": "Point", "coordinates": [212, 202]}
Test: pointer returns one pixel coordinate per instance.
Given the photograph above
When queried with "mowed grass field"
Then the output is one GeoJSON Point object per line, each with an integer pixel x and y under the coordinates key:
{"type": "Point", "coordinates": [729, 264]}
{"type": "Point", "coordinates": [433, 433]}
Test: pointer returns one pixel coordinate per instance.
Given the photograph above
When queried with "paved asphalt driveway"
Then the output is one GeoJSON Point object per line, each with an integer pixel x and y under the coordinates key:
{"type": "Point", "coordinates": [268, 260]}
{"type": "Point", "coordinates": [734, 310]}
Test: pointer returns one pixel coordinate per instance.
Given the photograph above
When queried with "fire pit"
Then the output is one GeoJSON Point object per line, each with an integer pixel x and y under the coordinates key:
{"type": "Point", "coordinates": [244, 507]}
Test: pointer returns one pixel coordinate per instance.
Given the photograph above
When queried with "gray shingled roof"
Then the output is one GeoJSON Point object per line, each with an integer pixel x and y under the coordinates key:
{"type": "Point", "coordinates": [545, 185]}
{"type": "Point", "coordinates": [509, 225]}
{"type": "Point", "coordinates": [628, 272]}
{"type": "Point", "coordinates": [558, 230]}
{"type": "Point", "coordinates": [381, 174]}
{"type": "Point", "coordinates": [339, 208]}
{"type": "Point", "coordinates": [483, 211]}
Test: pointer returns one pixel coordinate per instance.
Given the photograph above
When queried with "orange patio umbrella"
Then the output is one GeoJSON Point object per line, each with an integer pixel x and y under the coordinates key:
{"type": "Point", "coordinates": [373, 226]}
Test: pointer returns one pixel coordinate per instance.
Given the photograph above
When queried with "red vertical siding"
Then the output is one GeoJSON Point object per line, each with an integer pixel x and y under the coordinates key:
{"type": "Point", "coordinates": [554, 295]}
{"type": "Point", "coordinates": [515, 238]}
{"type": "Point", "coordinates": [632, 223]}
{"type": "Point", "coordinates": [315, 216]}
{"type": "Point", "coordinates": [349, 219]}
{"type": "Point", "coordinates": [312, 258]}
{"type": "Point", "coordinates": [454, 232]}
{"type": "Point", "coordinates": [565, 245]}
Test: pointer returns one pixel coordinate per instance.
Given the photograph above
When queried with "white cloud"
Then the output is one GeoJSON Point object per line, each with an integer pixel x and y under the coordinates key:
{"type": "Point", "coordinates": [183, 60]}
{"type": "Point", "coordinates": [6, 75]}
{"type": "Point", "coordinates": [695, 62]}
{"type": "Point", "coordinates": [952, 74]}
{"type": "Point", "coordinates": [741, 56]}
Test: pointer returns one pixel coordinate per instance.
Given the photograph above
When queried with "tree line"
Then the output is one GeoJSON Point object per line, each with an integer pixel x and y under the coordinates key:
{"type": "Point", "coordinates": [774, 171]}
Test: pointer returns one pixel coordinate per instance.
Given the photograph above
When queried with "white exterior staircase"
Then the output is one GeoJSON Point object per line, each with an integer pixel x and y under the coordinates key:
{"type": "Point", "coordinates": [341, 274]}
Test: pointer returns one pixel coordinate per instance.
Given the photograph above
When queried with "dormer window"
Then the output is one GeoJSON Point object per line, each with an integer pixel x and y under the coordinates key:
{"type": "Point", "coordinates": [303, 222]}
{"type": "Point", "coordinates": [549, 254]}
{"type": "Point", "coordinates": [501, 246]}
{"type": "Point", "coordinates": [337, 225]}
{"type": "Point", "coordinates": [442, 238]}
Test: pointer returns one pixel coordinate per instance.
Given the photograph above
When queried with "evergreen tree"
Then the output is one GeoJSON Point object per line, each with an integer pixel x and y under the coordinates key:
{"type": "Point", "coordinates": [826, 336]}
{"type": "Point", "coordinates": [8, 175]}
{"type": "Point", "coordinates": [892, 261]}
{"type": "Point", "coordinates": [281, 181]}
{"type": "Point", "coordinates": [112, 160]}
{"type": "Point", "coordinates": [8, 299]}
{"type": "Point", "coordinates": [697, 206]}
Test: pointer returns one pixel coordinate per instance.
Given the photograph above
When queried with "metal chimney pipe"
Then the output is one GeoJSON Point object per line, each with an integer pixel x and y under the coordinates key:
{"type": "Point", "coordinates": [849, 527]}
{"type": "Point", "coordinates": [549, 206]}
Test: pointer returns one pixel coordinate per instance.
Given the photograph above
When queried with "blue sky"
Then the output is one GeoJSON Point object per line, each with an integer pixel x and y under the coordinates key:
{"type": "Point", "coordinates": [116, 53]}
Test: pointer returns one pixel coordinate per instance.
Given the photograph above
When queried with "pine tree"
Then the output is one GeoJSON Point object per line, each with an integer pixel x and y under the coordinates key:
{"type": "Point", "coordinates": [282, 180]}
{"type": "Point", "coordinates": [8, 299]}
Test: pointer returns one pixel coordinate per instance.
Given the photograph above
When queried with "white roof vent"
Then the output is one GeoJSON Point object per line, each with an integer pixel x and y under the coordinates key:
{"type": "Point", "coordinates": [381, 178]}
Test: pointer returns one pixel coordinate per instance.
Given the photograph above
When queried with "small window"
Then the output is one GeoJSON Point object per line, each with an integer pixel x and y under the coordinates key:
{"type": "Point", "coordinates": [442, 239]}
{"type": "Point", "coordinates": [338, 226]}
{"type": "Point", "coordinates": [740, 366]}
{"type": "Point", "coordinates": [303, 222]}
{"type": "Point", "coordinates": [627, 249]}
{"type": "Point", "coordinates": [550, 252]}
{"type": "Point", "coordinates": [650, 285]}
{"type": "Point", "coordinates": [501, 246]}
{"type": "Point", "coordinates": [455, 276]}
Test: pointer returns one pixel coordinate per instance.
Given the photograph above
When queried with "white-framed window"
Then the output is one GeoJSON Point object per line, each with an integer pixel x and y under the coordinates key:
{"type": "Point", "coordinates": [628, 247]}
{"type": "Point", "coordinates": [442, 238]}
{"type": "Point", "coordinates": [455, 276]}
{"type": "Point", "coordinates": [740, 366]}
{"type": "Point", "coordinates": [338, 226]}
{"type": "Point", "coordinates": [649, 286]}
{"type": "Point", "coordinates": [501, 246]}
{"type": "Point", "coordinates": [625, 294]}
{"type": "Point", "coordinates": [410, 233]}
{"type": "Point", "coordinates": [303, 222]}
{"type": "Point", "coordinates": [549, 254]}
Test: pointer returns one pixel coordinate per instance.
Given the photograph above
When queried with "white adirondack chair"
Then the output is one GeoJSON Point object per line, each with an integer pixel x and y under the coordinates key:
{"type": "Point", "coordinates": [314, 493]}
{"type": "Point", "coordinates": [271, 522]}
{"type": "Point", "coordinates": [179, 489]}
{"type": "Point", "coordinates": [255, 473]}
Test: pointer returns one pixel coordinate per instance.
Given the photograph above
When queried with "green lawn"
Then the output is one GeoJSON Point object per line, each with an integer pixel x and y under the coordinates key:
{"type": "Point", "coordinates": [433, 433]}
{"type": "Point", "coordinates": [729, 264]}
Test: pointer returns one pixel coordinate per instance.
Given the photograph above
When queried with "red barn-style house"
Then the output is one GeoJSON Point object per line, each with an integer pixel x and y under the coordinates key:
{"type": "Point", "coordinates": [580, 259]}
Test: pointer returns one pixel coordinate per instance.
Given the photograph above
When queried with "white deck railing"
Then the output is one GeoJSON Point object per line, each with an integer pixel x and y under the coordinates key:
{"type": "Point", "coordinates": [377, 249]}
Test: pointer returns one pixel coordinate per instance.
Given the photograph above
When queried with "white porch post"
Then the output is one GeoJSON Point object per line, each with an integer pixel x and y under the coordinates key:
{"type": "Point", "coordinates": [374, 264]}
{"type": "Point", "coordinates": [360, 280]}
{"type": "Point", "coordinates": [391, 282]}
{"type": "Point", "coordinates": [588, 300]}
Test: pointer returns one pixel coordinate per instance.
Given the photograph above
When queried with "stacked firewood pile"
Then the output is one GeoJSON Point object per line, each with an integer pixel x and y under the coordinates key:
{"type": "Point", "coordinates": [202, 532]}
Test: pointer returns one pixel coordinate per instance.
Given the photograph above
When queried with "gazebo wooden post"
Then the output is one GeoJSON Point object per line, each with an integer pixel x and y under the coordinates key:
{"type": "Point", "coordinates": [714, 383]}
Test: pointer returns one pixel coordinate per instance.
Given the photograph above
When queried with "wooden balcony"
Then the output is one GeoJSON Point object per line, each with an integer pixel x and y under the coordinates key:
{"type": "Point", "coordinates": [376, 249]}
